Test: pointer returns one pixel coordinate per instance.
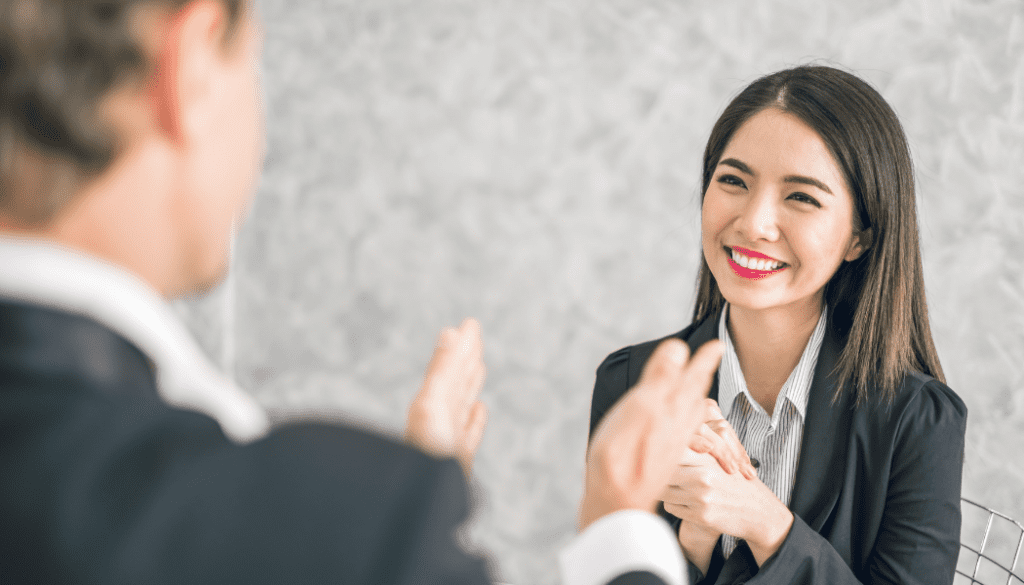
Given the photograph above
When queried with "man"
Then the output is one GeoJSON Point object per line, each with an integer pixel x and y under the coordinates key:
{"type": "Point", "coordinates": [130, 140]}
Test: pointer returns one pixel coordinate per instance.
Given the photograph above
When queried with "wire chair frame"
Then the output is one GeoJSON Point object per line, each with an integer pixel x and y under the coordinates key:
{"type": "Point", "coordinates": [1012, 577]}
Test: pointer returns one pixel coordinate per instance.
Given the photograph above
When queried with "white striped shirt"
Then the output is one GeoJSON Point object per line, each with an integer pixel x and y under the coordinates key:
{"type": "Point", "coordinates": [773, 442]}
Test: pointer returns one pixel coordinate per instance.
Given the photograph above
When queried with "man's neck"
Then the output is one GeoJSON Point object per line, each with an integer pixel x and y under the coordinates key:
{"type": "Point", "coordinates": [119, 217]}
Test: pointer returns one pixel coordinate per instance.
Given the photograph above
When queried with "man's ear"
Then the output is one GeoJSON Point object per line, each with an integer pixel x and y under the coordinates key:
{"type": "Point", "coordinates": [185, 68]}
{"type": "Point", "coordinates": [861, 242]}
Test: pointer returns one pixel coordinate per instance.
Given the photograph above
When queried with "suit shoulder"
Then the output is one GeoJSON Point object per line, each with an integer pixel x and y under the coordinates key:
{"type": "Point", "coordinates": [922, 402]}
{"type": "Point", "coordinates": [923, 391]}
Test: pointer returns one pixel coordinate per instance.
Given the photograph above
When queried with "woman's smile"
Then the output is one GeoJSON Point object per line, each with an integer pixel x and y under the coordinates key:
{"type": "Point", "coordinates": [753, 265]}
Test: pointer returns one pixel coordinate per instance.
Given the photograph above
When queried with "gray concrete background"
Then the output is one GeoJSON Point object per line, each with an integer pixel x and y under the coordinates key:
{"type": "Point", "coordinates": [535, 164]}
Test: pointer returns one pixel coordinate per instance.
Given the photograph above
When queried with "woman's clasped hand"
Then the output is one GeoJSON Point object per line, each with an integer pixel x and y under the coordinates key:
{"type": "Point", "coordinates": [715, 490]}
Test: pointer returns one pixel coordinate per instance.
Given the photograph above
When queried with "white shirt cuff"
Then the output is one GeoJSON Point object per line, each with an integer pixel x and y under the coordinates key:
{"type": "Point", "coordinates": [627, 540]}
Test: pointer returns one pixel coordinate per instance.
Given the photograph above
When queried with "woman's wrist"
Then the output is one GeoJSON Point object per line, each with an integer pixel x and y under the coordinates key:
{"type": "Point", "coordinates": [698, 545]}
{"type": "Point", "coordinates": [767, 537]}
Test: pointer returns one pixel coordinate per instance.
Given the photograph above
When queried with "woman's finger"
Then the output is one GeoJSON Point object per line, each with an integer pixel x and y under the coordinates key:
{"type": "Point", "coordinates": [691, 458]}
{"type": "Point", "coordinates": [712, 409]}
{"type": "Point", "coordinates": [674, 495]}
{"type": "Point", "coordinates": [720, 449]}
{"type": "Point", "coordinates": [723, 429]}
{"type": "Point", "coordinates": [681, 498]}
{"type": "Point", "coordinates": [730, 442]}
{"type": "Point", "coordinates": [699, 444]}
{"type": "Point", "coordinates": [674, 509]}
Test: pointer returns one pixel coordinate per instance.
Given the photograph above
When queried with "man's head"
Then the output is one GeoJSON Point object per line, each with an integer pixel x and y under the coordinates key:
{"type": "Point", "coordinates": [130, 123]}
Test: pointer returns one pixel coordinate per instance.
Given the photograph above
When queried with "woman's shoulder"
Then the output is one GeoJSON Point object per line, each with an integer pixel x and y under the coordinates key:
{"type": "Point", "coordinates": [918, 387]}
{"type": "Point", "coordinates": [921, 435]}
{"type": "Point", "coordinates": [922, 400]}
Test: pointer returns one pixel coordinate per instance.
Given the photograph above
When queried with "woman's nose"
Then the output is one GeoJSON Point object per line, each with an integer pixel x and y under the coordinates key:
{"type": "Point", "coordinates": [758, 219]}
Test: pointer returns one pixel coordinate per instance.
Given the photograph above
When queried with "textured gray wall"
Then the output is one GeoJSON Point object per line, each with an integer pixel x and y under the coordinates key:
{"type": "Point", "coordinates": [535, 164]}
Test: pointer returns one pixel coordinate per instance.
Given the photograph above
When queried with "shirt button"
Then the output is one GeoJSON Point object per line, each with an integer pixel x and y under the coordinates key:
{"type": "Point", "coordinates": [755, 462]}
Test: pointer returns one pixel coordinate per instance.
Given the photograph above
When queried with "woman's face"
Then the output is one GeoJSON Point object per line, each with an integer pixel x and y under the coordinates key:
{"type": "Point", "coordinates": [777, 219]}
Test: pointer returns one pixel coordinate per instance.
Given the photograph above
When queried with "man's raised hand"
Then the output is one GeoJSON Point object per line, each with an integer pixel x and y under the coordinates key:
{"type": "Point", "coordinates": [445, 418]}
{"type": "Point", "coordinates": [639, 443]}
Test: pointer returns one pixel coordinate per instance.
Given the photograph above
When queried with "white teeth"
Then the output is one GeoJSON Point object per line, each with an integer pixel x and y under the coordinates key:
{"type": "Point", "coordinates": [739, 259]}
{"type": "Point", "coordinates": [755, 263]}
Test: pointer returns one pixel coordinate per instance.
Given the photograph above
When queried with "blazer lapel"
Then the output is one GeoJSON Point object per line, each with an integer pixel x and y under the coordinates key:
{"type": "Point", "coordinates": [822, 451]}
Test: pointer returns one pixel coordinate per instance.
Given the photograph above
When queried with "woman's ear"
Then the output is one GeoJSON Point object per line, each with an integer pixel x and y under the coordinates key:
{"type": "Point", "coordinates": [860, 244]}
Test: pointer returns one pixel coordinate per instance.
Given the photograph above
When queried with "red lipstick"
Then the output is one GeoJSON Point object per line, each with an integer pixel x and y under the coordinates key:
{"type": "Point", "coordinates": [750, 273]}
{"type": "Point", "coordinates": [752, 254]}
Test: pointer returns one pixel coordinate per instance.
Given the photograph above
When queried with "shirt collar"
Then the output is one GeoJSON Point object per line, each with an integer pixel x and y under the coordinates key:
{"type": "Point", "coordinates": [797, 388]}
{"type": "Point", "coordinates": [44, 273]}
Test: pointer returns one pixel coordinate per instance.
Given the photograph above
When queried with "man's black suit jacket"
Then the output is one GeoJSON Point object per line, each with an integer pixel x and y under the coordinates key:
{"type": "Point", "coordinates": [877, 489]}
{"type": "Point", "coordinates": [102, 482]}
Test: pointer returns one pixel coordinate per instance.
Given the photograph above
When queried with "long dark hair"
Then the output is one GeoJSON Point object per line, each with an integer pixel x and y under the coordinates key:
{"type": "Point", "coordinates": [877, 301]}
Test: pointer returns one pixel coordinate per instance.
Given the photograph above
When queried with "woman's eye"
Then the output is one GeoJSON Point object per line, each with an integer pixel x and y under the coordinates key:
{"type": "Point", "coordinates": [805, 198]}
{"type": "Point", "coordinates": [731, 180]}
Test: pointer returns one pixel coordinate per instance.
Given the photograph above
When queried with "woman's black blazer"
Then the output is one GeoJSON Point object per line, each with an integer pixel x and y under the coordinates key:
{"type": "Point", "coordinates": [877, 489]}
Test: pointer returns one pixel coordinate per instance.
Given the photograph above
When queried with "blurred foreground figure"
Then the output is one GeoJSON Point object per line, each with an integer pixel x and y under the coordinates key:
{"type": "Point", "coordinates": [130, 141]}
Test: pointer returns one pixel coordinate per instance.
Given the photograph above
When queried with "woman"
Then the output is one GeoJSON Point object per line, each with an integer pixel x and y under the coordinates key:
{"type": "Point", "coordinates": [811, 276]}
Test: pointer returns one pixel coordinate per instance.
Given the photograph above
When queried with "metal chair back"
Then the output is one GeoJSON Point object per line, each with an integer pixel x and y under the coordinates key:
{"type": "Point", "coordinates": [994, 561]}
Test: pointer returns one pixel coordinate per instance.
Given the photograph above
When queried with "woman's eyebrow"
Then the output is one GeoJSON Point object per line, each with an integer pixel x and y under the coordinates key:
{"type": "Point", "coordinates": [737, 164]}
{"type": "Point", "coordinates": [807, 181]}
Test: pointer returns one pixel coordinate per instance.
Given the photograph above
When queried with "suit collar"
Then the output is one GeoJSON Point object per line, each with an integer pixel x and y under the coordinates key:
{"type": "Point", "coordinates": [703, 332]}
{"type": "Point", "coordinates": [64, 346]}
{"type": "Point", "coordinates": [700, 334]}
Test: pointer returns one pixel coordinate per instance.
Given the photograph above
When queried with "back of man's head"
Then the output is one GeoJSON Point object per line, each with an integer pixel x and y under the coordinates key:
{"type": "Point", "coordinates": [59, 59]}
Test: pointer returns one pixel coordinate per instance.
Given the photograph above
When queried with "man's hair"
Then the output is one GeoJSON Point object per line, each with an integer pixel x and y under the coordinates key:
{"type": "Point", "coordinates": [877, 301]}
{"type": "Point", "coordinates": [58, 60]}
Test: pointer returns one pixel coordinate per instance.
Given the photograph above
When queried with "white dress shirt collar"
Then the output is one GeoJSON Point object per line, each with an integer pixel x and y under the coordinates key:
{"type": "Point", "coordinates": [43, 273]}
{"type": "Point", "coordinates": [732, 383]}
